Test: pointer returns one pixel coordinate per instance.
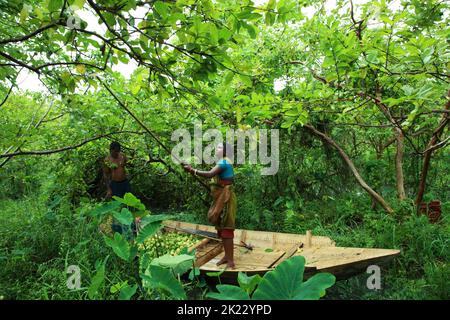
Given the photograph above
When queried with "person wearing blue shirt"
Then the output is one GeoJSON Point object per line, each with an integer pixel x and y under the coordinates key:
{"type": "Point", "coordinates": [224, 207]}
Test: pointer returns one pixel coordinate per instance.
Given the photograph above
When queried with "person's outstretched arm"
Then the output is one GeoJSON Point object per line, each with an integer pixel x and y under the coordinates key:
{"type": "Point", "coordinates": [207, 174]}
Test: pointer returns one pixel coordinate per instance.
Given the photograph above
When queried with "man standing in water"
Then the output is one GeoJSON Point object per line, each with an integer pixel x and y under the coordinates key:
{"type": "Point", "coordinates": [224, 204]}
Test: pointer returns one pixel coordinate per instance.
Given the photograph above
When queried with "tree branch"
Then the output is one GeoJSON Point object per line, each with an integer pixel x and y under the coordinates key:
{"type": "Point", "coordinates": [47, 152]}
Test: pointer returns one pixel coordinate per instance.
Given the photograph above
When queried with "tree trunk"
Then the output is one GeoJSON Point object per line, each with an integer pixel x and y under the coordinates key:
{"type": "Point", "coordinates": [399, 164]}
{"type": "Point", "coordinates": [429, 151]}
{"type": "Point", "coordinates": [379, 199]}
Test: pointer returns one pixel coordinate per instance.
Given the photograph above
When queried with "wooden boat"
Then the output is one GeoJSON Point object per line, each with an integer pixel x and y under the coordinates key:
{"type": "Point", "coordinates": [257, 252]}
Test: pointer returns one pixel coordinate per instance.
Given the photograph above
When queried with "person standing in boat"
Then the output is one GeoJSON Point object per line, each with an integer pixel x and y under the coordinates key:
{"type": "Point", "coordinates": [222, 212]}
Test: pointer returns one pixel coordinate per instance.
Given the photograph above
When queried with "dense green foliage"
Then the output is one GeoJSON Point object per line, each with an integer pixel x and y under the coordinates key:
{"type": "Point", "coordinates": [364, 94]}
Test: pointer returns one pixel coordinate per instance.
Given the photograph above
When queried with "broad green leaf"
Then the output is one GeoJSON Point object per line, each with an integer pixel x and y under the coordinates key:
{"type": "Point", "coordinates": [125, 217]}
{"type": "Point", "coordinates": [282, 283]}
{"type": "Point", "coordinates": [195, 272]}
{"type": "Point", "coordinates": [248, 283]}
{"type": "Point", "coordinates": [149, 230]}
{"type": "Point", "coordinates": [285, 282]}
{"type": "Point", "coordinates": [228, 292]}
{"type": "Point", "coordinates": [180, 264]}
{"type": "Point", "coordinates": [157, 277]}
{"type": "Point", "coordinates": [130, 200]}
{"type": "Point", "coordinates": [127, 292]}
{"type": "Point", "coordinates": [314, 287]}
{"type": "Point", "coordinates": [106, 208]}
{"type": "Point", "coordinates": [119, 245]}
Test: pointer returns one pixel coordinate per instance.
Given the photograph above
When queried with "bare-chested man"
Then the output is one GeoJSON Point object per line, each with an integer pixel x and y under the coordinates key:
{"type": "Point", "coordinates": [116, 180]}
{"type": "Point", "coordinates": [114, 172]}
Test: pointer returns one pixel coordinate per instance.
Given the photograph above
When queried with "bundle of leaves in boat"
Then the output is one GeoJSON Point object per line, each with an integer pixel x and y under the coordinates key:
{"type": "Point", "coordinates": [164, 272]}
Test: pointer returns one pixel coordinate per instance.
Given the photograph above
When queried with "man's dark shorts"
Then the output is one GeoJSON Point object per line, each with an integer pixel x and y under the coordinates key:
{"type": "Point", "coordinates": [119, 188]}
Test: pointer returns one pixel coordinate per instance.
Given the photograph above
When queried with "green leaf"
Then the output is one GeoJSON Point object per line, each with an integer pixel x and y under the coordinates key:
{"type": "Point", "coordinates": [106, 208]}
{"type": "Point", "coordinates": [229, 75]}
{"type": "Point", "coordinates": [135, 87]}
{"type": "Point", "coordinates": [125, 217]}
{"type": "Point", "coordinates": [250, 29]}
{"type": "Point", "coordinates": [270, 18]}
{"type": "Point", "coordinates": [148, 231]}
{"type": "Point", "coordinates": [180, 264]}
{"type": "Point", "coordinates": [162, 8]}
{"type": "Point", "coordinates": [119, 245]}
{"type": "Point", "coordinates": [116, 288]}
{"type": "Point", "coordinates": [215, 274]}
{"type": "Point", "coordinates": [127, 292]}
{"type": "Point", "coordinates": [130, 200]}
{"type": "Point", "coordinates": [228, 292]}
{"type": "Point", "coordinates": [24, 14]}
{"type": "Point", "coordinates": [248, 283]}
{"type": "Point", "coordinates": [97, 280]}
{"type": "Point", "coordinates": [81, 68]}
{"type": "Point", "coordinates": [285, 282]}
{"type": "Point", "coordinates": [195, 272]}
{"type": "Point", "coordinates": [157, 277]}
{"type": "Point", "coordinates": [54, 5]}
{"type": "Point", "coordinates": [314, 288]}
{"type": "Point", "coordinates": [79, 3]}
{"type": "Point", "coordinates": [109, 18]}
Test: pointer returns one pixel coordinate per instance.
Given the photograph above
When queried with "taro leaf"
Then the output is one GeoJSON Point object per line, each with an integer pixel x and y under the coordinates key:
{"type": "Point", "coordinates": [228, 292]}
{"type": "Point", "coordinates": [248, 283]}
{"type": "Point", "coordinates": [179, 264]}
{"type": "Point", "coordinates": [314, 287]}
{"type": "Point", "coordinates": [148, 231]}
{"type": "Point", "coordinates": [97, 280]}
{"type": "Point", "coordinates": [127, 292]}
{"type": "Point", "coordinates": [194, 273]}
{"type": "Point", "coordinates": [130, 200]}
{"type": "Point", "coordinates": [285, 282]}
{"type": "Point", "coordinates": [282, 283]}
{"type": "Point", "coordinates": [119, 245]}
{"type": "Point", "coordinates": [162, 278]}
{"type": "Point", "coordinates": [144, 261]}
{"type": "Point", "coordinates": [124, 217]}
{"type": "Point", "coordinates": [108, 207]}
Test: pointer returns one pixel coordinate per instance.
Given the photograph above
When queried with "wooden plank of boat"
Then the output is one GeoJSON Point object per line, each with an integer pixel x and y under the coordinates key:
{"type": "Point", "coordinates": [344, 262]}
{"type": "Point", "coordinates": [262, 239]}
{"type": "Point", "coordinates": [256, 260]}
